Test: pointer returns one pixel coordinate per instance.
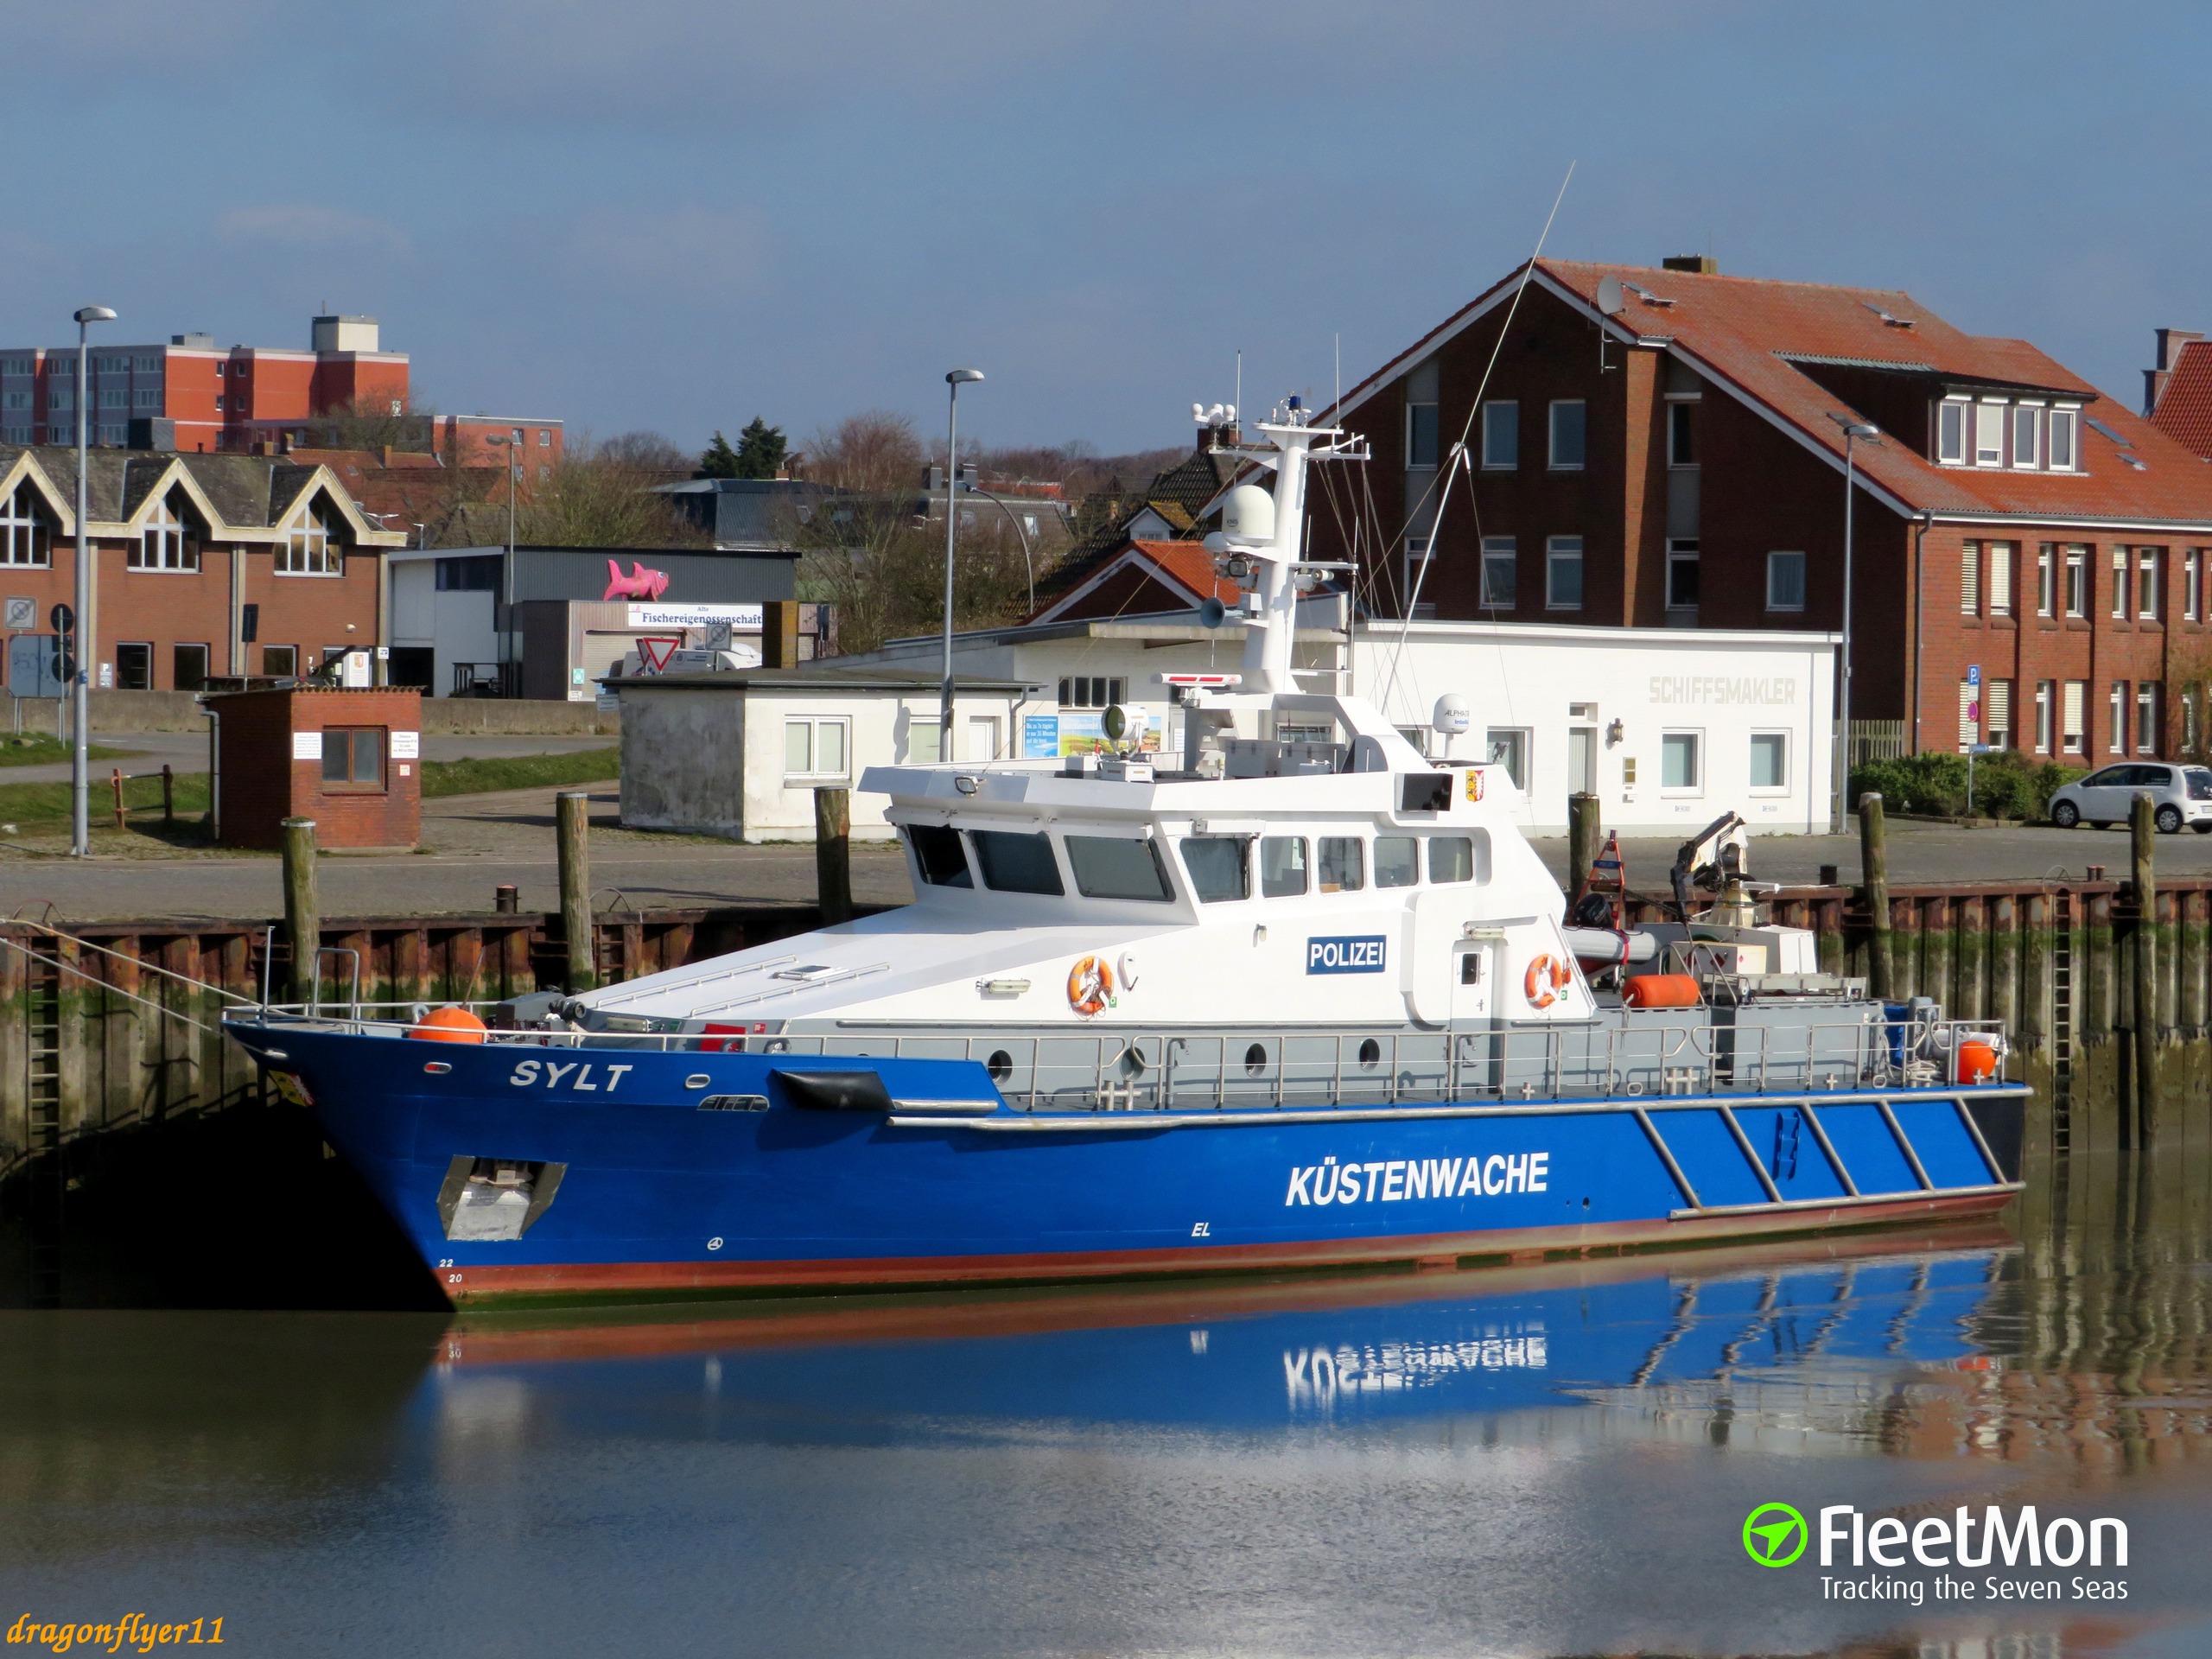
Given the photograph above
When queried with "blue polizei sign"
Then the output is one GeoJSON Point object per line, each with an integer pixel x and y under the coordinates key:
{"type": "Point", "coordinates": [1361, 953]}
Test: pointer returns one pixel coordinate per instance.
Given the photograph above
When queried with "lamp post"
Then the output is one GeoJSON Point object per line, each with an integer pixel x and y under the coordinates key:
{"type": "Point", "coordinates": [507, 658]}
{"type": "Point", "coordinates": [1852, 430]}
{"type": "Point", "coordinates": [1029, 562]}
{"type": "Point", "coordinates": [954, 380]}
{"type": "Point", "coordinates": [80, 829]}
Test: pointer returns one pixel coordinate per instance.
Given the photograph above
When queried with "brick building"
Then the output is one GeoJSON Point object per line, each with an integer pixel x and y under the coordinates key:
{"type": "Point", "coordinates": [193, 395]}
{"type": "Point", "coordinates": [204, 564]}
{"type": "Point", "coordinates": [2177, 393]}
{"type": "Point", "coordinates": [1665, 448]}
{"type": "Point", "coordinates": [351, 761]}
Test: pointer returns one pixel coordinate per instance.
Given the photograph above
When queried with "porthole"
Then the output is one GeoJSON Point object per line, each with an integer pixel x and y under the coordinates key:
{"type": "Point", "coordinates": [1256, 1060]}
{"type": "Point", "coordinates": [1000, 1066]}
{"type": "Point", "coordinates": [1370, 1053]}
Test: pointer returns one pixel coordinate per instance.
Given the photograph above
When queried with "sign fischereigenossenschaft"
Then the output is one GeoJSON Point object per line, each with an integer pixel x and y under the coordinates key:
{"type": "Point", "coordinates": [2003, 1554]}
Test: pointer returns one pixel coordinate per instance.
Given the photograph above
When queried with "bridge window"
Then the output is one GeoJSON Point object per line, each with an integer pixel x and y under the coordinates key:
{"type": "Point", "coordinates": [1215, 864]}
{"type": "Point", "coordinates": [1397, 863]}
{"type": "Point", "coordinates": [938, 854]}
{"type": "Point", "coordinates": [1282, 867]}
{"type": "Point", "coordinates": [1115, 866]}
{"type": "Point", "coordinates": [1017, 862]}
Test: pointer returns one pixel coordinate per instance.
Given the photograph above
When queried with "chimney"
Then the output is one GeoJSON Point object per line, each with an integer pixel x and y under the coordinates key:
{"type": "Point", "coordinates": [2171, 342]}
{"type": "Point", "coordinates": [1697, 264]}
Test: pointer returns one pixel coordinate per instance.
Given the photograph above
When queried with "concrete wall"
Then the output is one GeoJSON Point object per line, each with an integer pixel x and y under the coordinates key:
{"type": "Point", "coordinates": [119, 712]}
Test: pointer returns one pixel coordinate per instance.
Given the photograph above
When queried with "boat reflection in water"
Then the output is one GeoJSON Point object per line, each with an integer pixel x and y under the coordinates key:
{"type": "Point", "coordinates": [1815, 1336]}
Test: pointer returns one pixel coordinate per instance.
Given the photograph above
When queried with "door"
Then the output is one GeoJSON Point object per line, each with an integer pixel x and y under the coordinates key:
{"type": "Point", "coordinates": [2103, 795]}
{"type": "Point", "coordinates": [1474, 965]}
{"type": "Point", "coordinates": [1582, 759]}
{"type": "Point", "coordinates": [982, 738]}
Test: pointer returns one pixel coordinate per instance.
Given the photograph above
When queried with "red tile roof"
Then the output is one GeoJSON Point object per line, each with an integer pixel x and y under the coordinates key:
{"type": "Point", "coordinates": [2185, 411]}
{"type": "Point", "coordinates": [1743, 330]}
{"type": "Point", "coordinates": [1185, 565]}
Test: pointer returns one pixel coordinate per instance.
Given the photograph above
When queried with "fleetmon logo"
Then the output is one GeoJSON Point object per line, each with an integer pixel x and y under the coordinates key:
{"type": "Point", "coordinates": [1774, 1535]}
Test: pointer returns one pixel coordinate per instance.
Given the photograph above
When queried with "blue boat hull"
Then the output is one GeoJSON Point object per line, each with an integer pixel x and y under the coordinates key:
{"type": "Point", "coordinates": [659, 1195]}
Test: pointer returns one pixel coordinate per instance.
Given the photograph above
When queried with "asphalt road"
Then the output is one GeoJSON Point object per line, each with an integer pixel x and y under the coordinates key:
{"type": "Point", "coordinates": [472, 843]}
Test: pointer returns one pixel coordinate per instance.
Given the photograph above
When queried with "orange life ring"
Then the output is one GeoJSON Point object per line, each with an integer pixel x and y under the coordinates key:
{"type": "Point", "coordinates": [1544, 979]}
{"type": "Point", "coordinates": [1090, 986]}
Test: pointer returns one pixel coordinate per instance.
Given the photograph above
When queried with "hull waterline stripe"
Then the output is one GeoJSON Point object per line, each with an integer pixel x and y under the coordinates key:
{"type": "Point", "coordinates": [1946, 1192]}
{"type": "Point", "coordinates": [1255, 1117]}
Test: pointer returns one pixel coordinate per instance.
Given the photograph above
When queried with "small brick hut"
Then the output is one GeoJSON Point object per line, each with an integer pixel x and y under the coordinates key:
{"type": "Point", "coordinates": [350, 759]}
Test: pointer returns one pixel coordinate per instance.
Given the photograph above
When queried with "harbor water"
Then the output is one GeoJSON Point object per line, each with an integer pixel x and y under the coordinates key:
{"type": "Point", "coordinates": [1551, 1458]}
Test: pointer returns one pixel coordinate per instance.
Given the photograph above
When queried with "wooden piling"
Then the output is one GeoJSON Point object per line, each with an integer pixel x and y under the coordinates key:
{"type": "Point", "coordinates": [2005, 960]}
{"type": "Point", "coordinates": [1972, 971]}
{"type": "Point", "coordinates": [2143, 832]}
{"type": "Point", "coordinates": [302, 919]}
{"type": "Point", "coordinates": [832, 854]}
{"type": "Point", "coordinates": [572, 812]}
{"type": "Point", "coordinates": [1874, 852]}
{"type": "Point", "coordinates": [1584, 832]}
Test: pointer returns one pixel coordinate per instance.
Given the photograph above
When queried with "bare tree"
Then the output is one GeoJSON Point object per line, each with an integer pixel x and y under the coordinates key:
{"type": "Point", "coordinates": [652, 452]}
{"type": "Point", "coordinates": [601, 495]}
{"type": "Point", "coordinates": [372, 423]}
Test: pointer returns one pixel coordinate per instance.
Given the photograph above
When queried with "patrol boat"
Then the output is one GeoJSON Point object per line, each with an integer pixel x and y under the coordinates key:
{"type": "Point", "coordinates": [1304, 998]}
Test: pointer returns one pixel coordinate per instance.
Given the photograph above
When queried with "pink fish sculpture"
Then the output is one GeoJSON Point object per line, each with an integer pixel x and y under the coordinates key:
{"type": "Point", "coordinates": [640, 583]}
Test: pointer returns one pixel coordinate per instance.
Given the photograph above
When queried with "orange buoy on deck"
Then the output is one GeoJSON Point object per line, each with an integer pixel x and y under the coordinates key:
{"type": "Point", "coordinates": [1977, 1062]}
{"type": "Point", "coordinates": [1660, 991]}
{"type": "Point", "coordinates": [448, 1026]}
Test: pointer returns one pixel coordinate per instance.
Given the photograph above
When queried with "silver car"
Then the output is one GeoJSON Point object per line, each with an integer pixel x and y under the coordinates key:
{"type": "Point", "coordinates": [2180, 795]}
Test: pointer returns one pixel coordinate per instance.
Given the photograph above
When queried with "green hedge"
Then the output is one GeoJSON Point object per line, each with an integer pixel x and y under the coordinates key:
{"type": "Point", "coordinates": [2007, 784]}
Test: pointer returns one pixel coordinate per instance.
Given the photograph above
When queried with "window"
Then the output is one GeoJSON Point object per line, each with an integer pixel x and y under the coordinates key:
{"type": "Point", "coordinates": [1969, 715]}
{"type": "Point", "coordinates": [353, 757]}
{"type": "Point", "coordinates": [2146, 717]}
{"type": "Point", "coordinates": [2043, 716]}
{"type": "Point", "coordinates": [115, 397]}
{"type": "Point", "coordinates": [2116, 727]}
{"type": "Point", "coordinates": [1092, 691]}
{"type": "Point", "coordinates": [59, 399]}
{"type": "Point", "coordinates": [1215, 864]}
{"type": "Point", "coordinates": [1997, 574]}
{"type": "Point", "coordinates": [1282, 867]}
{"type": "Point", "coordinates": [1682, 433]}
{"type": "Point", "coordinates": [146, 397]}
{"type": "Point", "coordinates": [2146, 582]}
{"type": "Point", "coordinates": [1951, 434]}
{"type": "Point", "coordinates": [114, 437]}
{"type": "Point", "coordinates": [1397, 862]}
{"type": "Point", "coordinates": [1342, 864]}
{"type": "Point", "coordinates": [1679, 760]}
{"type": "Point", "coordinates": [308, 550]}
{"type": "Point", "coordinates": [1420, 434]}
{"type": "Point", "coordinates": [1500, 563]}
{"type": "Point", "coordinates": [2074, 716]}
{"type": "Point", "coordinates": [544, 435]}
{"type": "Point", "coordinates": [16, 434]}
{"type": "Point", "coordinates": [134, 667]}
{"type": "Point", "coordinates": [1502, 436]}
{"type": "Point", "coordinates": [190, 663]}
{"type": "Point", "coordinates": [1681, 575]}
{"type": "Point", "coordinates": [1017, 861]}
{"type": "Point", "coordinates": [26, 539]}
{"type": "Point", "coordinates": [476, 576]}
{"type": "Point", "coordinates": [280, 661]}
{"type": "Point", "coordinates": [2077, 579]}
{"type": "Point", "coordinates": [1563, 574]}
{"type": "Point", "coordinates": [1997, 713]}
{"type": "Point", "coordinates": [1450, 858]}
{"type": "Point", "coordinates": [167, 543]}
{"type": "Point", "coordinates": [1989, 434]}
{"type": "Point", "coordinates": [938, 854]}
{"type": "Point", "coordinates": [1568, 422]}
{"type": "Point", "coordinates": [1118, 867]}
{"type": "Point", "coordinates": [2119, 582]}
{"type": "Point", "coordinates": [1785, 582]}
{"type": "Point", "coordinates": [2060, 444]}
{"type": "Point", "coordinates": [2192, 585]}
{"type": "Point", "coordinates": [1970, 579]}
{"type": "Point", "coordinates": [516, 435]}
{"type": "Point", "coordinates": [1770, 760]}
{"type": "Point", "coordinates": [815, 748]}
{"type": "Point", "coordinates": [2026, 424]}
{"type": "Point", "coordinates": [1508, 746]}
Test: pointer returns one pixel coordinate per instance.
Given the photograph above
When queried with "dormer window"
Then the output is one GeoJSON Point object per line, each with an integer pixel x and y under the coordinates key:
{"type": "Point", "coordinates": [1989, 434]}
{"type": "Point", "coordinates": [167, 543]}
{"type": "Point", "coordinates": [2061, 436]}
{"type": "Point", "coordinates": [309, 550]}
{"type": "Point", "coordinates": [2027, 430]}
{"type": "Point", "coordinates": [1951, 432]}
{"type": "Point", "coordinates": [25, 538]}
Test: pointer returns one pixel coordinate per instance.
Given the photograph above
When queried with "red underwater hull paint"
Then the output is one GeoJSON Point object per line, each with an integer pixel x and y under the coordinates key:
{"type": "Point", "coordinates": [613, 1281]}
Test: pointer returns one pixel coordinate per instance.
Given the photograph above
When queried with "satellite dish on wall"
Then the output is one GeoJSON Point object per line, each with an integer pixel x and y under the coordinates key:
{"type": "Point", "coordinates": [1212, 613]}
{"type": "Point", "coordinates": [1610, 299]}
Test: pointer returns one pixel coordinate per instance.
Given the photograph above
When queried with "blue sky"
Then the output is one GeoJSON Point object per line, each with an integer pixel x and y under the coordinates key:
{"type": "Point", "coordinates": [675, 215]}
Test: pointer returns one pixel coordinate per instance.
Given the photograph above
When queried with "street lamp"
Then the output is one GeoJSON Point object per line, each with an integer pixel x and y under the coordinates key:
{"type": "Point", "coordinates": [507, 659]}
{"type": "Point", "coordinates": [1028, 561]}
{"type": "Point", "coordinates": [80, 777]}
{"type": "Point", "coordinates": [1852, 430]}
{"type": "Point", "coordinates": [954, 380]}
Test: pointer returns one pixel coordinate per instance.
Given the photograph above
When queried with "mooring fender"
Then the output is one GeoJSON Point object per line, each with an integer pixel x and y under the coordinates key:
{"type": "Point", "coordinates": [835, 1091]}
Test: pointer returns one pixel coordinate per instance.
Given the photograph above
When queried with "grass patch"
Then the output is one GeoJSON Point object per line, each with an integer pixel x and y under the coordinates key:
{"type": "Point", "coordinates": [38, 804]}
{"type": "Point", "coordinates": [39, 749]}
{"type": "Point", "coordinates": [519, 772]}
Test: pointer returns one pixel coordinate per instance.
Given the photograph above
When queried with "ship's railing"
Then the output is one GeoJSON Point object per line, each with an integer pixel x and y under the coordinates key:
{"type": "Point", "coordinates": [1273, 1069]}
